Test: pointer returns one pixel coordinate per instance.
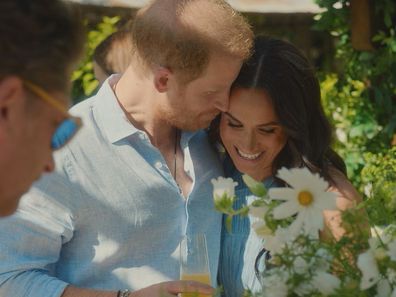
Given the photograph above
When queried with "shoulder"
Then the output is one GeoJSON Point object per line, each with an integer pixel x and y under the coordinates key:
{"type": "Point", "coordinates": [81, 108]}
{"type": "Point", "coordinates": [347, 195]}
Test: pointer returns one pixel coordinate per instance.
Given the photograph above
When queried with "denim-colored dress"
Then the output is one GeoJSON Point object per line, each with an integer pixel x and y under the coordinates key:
{"type": "Point", "coordinates": [240, 248]}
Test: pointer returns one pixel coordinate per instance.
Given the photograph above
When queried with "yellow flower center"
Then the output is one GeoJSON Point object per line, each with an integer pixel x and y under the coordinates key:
{"type": "Point", "coordinates": [305, 198]}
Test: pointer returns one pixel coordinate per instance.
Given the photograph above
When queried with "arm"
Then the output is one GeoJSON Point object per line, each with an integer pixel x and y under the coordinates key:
{"type": "Point", "coordinates": [71, 291]}
{"type": "Point", "coordinates": [165, 289]}
{"type": "Point", "coordinates": [31, 240]}
{"type": "Point", "coordinates": [30, 243]}
{"type": "Point", "coordinates": [347, 197]}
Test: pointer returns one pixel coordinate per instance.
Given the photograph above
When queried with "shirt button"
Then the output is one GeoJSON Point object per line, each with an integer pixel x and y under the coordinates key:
{"type": "Point", "coordinates": [158, 165]}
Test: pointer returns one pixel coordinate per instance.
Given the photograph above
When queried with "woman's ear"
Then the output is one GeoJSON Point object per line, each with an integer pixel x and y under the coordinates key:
{"type": "Point", "coordinates": [161, 78]}
{"type": "Point", "coordinates": [11, 89]}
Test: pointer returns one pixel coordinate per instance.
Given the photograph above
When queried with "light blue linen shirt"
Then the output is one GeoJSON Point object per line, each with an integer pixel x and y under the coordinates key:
{"type": "Point", "coordinates": [111, 216]}
{"type": "Point", "coordinates": [241, 246]}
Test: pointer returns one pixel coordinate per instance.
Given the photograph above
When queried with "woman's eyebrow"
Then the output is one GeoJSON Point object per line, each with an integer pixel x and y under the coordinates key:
{"type": "Point", "coordinates": [232, 117]}
{"type": "Point", "coordinates": [272, 123]}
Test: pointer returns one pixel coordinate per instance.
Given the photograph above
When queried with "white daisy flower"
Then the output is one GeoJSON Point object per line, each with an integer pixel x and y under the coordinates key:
{"type": "Point", "coordinates": [307, 198]}
{"type": "Point", "coordinates": [368, 266]}
{"type": "Point", "coordinates": [322, 259]}
{"type": "Point", "coordinates": [391, 275]}
{"type": "Point", "coordinates": [304, 289]}
{"type": "Point", "coordinates": [300, 265]}
{"type": "Point", "coordinates": [275, 243]}
{"type": "Point", "coordinates": [275, 285]}
{"type": "Point", "coordinates": [392, 250]}
{"type": "Point", "coordinates": [325, 283]}
{"type": "Point", "coordinates": [383, 288]}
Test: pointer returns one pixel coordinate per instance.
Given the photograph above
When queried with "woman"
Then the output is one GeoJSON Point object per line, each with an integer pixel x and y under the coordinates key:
{"type": "Point", "coordinates": [275, 120]}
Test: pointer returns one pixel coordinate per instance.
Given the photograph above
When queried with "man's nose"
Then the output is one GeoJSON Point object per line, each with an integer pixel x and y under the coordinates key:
{"type": "Point", "coordinates": [222, 102]}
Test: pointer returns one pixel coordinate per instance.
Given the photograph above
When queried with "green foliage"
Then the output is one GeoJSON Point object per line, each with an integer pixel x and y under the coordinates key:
{"type": "Point", "coordinates": [84, 82]}
{"type": "Point", "coordinates": [379, 176]}
{"type": "Point", "coordinates": [361, 100]}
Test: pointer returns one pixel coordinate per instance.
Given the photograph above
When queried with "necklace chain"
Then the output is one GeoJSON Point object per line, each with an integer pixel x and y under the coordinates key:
{"type": "Point", "coordinates": [175, 160]}
{"type": "Point", "coordinates": [175, 156]}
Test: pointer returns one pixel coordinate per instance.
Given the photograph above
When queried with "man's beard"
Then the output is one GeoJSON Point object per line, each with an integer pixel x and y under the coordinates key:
{"type": "Point", "coordinates": [179, 119]}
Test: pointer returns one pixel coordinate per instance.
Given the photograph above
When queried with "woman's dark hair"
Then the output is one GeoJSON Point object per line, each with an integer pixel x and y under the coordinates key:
{"type": "Point", "coordinates": [281, 70]}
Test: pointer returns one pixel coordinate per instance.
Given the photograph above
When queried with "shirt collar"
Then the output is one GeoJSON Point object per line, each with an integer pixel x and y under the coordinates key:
{"type": "Point", "coordinates": [116, 125]}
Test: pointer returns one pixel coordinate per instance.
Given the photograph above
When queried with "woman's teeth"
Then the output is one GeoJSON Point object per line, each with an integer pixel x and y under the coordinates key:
{"type": "Point", "coordinates": [249, 156]}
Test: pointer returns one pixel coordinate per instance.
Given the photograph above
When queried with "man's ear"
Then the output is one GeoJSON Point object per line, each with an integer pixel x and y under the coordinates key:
{"type": "Point", "coordinates": [161, 78]}
{"type": "Point", "coordinates": [11, 89]}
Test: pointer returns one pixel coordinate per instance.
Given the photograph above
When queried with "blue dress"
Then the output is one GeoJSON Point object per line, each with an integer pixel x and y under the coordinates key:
{"type": "Point", "coordinates": [240, 248]}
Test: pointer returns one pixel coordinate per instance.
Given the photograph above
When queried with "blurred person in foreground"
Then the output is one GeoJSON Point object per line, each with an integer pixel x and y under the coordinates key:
{"type": "Point", "coordinates": [136, 179]}
{"type": "Point", "coordinates": [39, 43]}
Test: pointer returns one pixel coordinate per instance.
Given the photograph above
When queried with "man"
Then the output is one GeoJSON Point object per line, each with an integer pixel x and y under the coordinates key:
{"type": "Point", "coordinates": [40, 40]}
{"type": "Point", "coordinates": [137, 177]}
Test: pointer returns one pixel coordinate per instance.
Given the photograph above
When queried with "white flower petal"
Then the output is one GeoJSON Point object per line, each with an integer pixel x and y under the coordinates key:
{"type": "Point", "coordinates": [297, 226]}
{"type": "Point", "coordinates": [383, 288]}
{"type": "Point", "coordinates": [286, 209]}
{"type": "Point", "coordinates": [325, 283]}
{"type": "Point", "coordinates": [276, 242]}
{"type": "Point", "coordinates": [314, 222]}
{"type": "Point", "coordinates": [258, 211]}
{"type": "Point", "coordinates": [301, 178]}
{"type": "Point", "coordinates": [291, 178]}
{"type": "Point", "coordinates": [325, 200]}
{"type": "Point", "coordinates": [261, 229]}
{"type": "Point", "coordinates": [368, 266]}
{"type": "Point", "coordinates": [392, 250]}
{"type": "Point", "coordinates": [275, 286]}
{"type": "Point", "coordinates": [300, 265]}
{"type": "Point", "coordinates": [223, 186]}
{"type": "Point", "coordinates": [391, 275]}
{"type": "Point", "coordinates": [304, 289]}
{"type": "Point", "coordinates": [282, 194]}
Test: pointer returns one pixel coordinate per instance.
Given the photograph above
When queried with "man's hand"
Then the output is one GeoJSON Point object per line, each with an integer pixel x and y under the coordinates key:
{"type": "Point", "coordinates": [172, 288]}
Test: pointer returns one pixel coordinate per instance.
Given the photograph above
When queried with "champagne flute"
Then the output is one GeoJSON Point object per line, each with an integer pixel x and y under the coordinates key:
{"type": "Point", "coordinates": [194, 261]}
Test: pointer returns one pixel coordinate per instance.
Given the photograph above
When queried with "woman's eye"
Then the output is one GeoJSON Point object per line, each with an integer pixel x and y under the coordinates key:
{"type": "Point", "coordinates": [233, 125]}
{"type": "Point", "coordinates": [268, 130]}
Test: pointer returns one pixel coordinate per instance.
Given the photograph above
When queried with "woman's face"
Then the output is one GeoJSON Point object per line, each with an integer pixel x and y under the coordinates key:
{"type": "Point", "coordinates": [251, 133]}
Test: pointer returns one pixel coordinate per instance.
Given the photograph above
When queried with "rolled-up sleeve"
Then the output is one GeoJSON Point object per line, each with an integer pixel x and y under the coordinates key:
{"type": "Point", "coordinates": [30, 244]}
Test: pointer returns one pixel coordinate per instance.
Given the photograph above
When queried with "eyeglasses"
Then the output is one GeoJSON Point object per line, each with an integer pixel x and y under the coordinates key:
{"type": "Point", "coordinates": [68, 128]}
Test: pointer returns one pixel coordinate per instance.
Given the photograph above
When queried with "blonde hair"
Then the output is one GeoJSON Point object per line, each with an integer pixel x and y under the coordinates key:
{"type": "Point", "coordinates": [182, 34]}
{"type": "Point", "coordinates": [114, 53]}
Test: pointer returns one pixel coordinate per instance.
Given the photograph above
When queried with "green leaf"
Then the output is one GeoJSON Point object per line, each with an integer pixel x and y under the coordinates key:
{"type": "Point", "coordinates": [257, 188]}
